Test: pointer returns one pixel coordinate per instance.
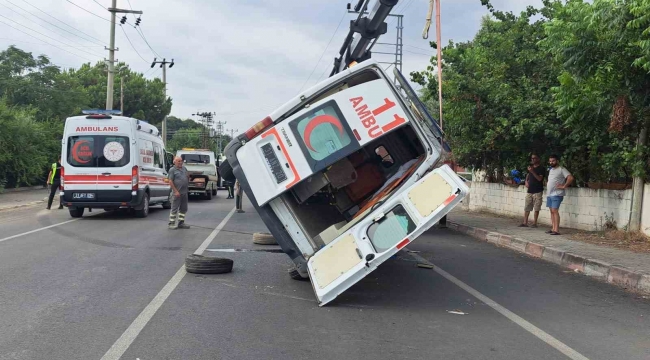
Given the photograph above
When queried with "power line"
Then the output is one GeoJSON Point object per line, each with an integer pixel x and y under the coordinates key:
{"type": "Point", "coordinates": [324, 51]}
{"type": "Point", "coordinates": [417, 53]}
{"type": "Point", "coordinates": [415, 47]}
{"type": "Point", "coordinates": [62, 22]}
{"type": "Point", "coordinates": [88, 11]}
{"type": "Point", "coordinates": [40, 18]}
{"type": "Point", "coordinates": [15, 28]}
{"type": "Point", "coordinates": [33, 43]}
{"type": "Point", "coordinates": [46, 41]}
{"type": "Point", "coordinates": [97, 2]}
{"type": "Point", "coordinates": [139, 30]}
{"type": "Point", "coordinates": [133, 47]}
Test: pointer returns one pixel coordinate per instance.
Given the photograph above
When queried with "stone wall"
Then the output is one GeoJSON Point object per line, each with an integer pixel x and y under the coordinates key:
{"type": "Point", "coordinates": [582, 208]}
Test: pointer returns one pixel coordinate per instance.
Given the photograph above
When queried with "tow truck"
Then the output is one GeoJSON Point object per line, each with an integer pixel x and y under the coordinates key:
{"type": "Point", "coordinates": [350, 171]}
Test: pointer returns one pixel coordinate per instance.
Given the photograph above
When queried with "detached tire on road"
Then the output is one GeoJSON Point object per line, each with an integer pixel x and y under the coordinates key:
{"type": "Point", "coordinates": [199, 264]}
{"type": "Point", "coordinates": [264, 239]}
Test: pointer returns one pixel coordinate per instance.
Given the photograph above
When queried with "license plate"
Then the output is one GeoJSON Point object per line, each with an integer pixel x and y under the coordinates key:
{"type": "Point", "coordinates": [83, 195]}
{"type": "Point", "coordinates": [274, 163]}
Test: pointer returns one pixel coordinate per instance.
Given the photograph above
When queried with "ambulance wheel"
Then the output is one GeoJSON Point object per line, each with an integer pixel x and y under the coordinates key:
{"type": "Point", "coordinates": [226, 171]}
{"type": "Point", "coordinates": [76, 212]}
{"type": "Point", "coordinates": [293, 272]}
{"type": "Point", "coordinates": [168, 204]}
{"type": "Point", "coordinates": [142, 213]}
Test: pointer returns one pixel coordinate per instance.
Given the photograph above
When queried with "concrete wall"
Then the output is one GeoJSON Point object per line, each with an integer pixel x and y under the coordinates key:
{"type": "Point", "coordinates": [582, 208]}
{"type": "Point", "coordinates": [645, 213]}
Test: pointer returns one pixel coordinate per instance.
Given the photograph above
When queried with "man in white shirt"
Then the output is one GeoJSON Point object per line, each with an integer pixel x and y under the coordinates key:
{"type": "Point", "coordinates": [559, 179]}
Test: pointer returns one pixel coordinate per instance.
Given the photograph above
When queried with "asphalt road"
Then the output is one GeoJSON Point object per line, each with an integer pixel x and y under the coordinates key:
{"type": "Point", "coordinates": [110, 285]}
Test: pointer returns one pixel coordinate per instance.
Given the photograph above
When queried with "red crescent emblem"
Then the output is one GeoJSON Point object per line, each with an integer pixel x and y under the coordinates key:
{"type": "Point", "coordinates": [320, 119]}
{"type": "Point", "coordinates": [75, 149]}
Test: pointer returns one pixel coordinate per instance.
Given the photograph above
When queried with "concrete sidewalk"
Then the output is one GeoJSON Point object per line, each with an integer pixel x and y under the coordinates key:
{"type": "Point", "coordinates": [34, 196]}
{"type": "Point", "coordinates": [619, 267]}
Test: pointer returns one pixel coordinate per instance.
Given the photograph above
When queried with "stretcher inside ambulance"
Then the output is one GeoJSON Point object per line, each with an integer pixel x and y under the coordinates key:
{"type": "Point", "coordinates": [346, 175]}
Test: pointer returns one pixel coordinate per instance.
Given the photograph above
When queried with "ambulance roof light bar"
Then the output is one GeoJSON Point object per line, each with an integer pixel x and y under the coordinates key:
{"type": "Point", "coordinates": [364, 31]}
{"type": "Point", "coordinates": [101, 112]}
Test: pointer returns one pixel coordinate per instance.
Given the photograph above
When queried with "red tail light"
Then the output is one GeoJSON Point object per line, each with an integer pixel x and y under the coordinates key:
{"type": "Point", "coordinates": [135, 178]}
{"type": "Point", "coordinates": [258, 128]}
{"type": "Point", "coordinates": [62, 179]}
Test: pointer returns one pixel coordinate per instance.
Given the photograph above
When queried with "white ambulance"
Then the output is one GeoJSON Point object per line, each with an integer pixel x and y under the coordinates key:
{"type": "Point", "coordinates": [345, 175]}
{"type": "Point", "coordinates": [111, 162]}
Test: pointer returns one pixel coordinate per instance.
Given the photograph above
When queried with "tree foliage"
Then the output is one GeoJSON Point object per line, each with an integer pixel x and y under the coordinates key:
{"type": "Point", "coordinates": [569, 78]}
{"type": "Point", "coordinates": [37, 96]}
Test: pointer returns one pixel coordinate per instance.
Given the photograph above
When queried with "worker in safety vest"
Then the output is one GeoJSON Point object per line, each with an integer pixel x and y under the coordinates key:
{"type": "Point", "coordinates": [54, 181]}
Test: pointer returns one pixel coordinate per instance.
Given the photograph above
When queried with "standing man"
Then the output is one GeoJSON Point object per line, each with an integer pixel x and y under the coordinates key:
{"type": "Point", "coordinates": [54, 180]}
{"type": "Point", "coordinates": [535, 186]}
{"type": "Point", "coordinates": [229, 186]}
{"type": "Point", "coordinates": [559, 179]}
{"type": "Point", "coordinates": [179, 180]}
{"type": "Point", "coordinates": [238, 197]}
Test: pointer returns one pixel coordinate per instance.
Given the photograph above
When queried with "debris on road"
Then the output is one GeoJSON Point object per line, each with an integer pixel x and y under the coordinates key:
{"type": "Point", "coordinates": [457, 312]}
{"type": "Point", "coordinates": [425, 266]}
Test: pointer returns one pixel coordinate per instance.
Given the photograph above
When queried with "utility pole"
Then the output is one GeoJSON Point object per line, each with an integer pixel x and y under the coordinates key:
{"type": "Point", "coordinates": [232, 133]}
{"type": "Point", "coordinates": [163, 65]}
{"type": "Point", "coordinates": [122, 95]}
{"type": "Point", "coordinates": [220, 129]}
{"type": "Point", "coordinates": [111, 51]}
{"type": "Point", "coordinates": [206, 121]}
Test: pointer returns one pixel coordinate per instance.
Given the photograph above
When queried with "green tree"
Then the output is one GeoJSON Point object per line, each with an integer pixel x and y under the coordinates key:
{"type": "Point", "coordinates": [496, 105]}
{"type": "Point", "coordinates": [604, 92]}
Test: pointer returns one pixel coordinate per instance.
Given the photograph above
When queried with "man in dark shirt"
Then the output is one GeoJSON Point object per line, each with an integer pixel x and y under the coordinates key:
{"type": "Point", "coordinates": [535, 185]}
{"type": "Point", "coordinates": [179, 182]}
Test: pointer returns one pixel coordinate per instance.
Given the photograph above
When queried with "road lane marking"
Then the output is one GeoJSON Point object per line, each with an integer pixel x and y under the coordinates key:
{"type": "Point", "coordinates": [39, 229]}
{"type": "Point", "coordinates": [122, 344]}
{"type": "Point", "coordinates": [537, 332]}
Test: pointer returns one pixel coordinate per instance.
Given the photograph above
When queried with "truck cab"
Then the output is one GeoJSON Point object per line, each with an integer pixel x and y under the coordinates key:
{"type": "Point", "coordinates": [345, 175]}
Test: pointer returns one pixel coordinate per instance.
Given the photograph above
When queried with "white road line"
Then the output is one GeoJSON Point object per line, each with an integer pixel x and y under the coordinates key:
{"type": "Point", "coordinates": [122, 344]}
{"type": "Point", "coordinates": [539, 333]}
{"type": "Point", "coordinates": [39, 229]}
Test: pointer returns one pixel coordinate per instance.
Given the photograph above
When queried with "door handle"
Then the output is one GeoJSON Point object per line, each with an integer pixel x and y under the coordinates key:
{"type": "Point", "coordinates": [106, 174]}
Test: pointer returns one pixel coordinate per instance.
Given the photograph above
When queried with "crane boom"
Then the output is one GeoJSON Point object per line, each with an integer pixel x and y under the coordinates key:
{"type": "Point", "coordinates": [363, 33]}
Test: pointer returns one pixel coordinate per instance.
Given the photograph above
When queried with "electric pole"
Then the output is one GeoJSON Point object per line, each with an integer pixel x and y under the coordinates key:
{"type": "Point", "coordinates": [163, 65]}
{"type": "Point", "coordinates": [111, 51]}
{"type": "Point", "coordinates": [220, 129]}
{"type": "Point", "coordinates": [206, 121]}
{"type": "Point", "coordinates": [232, 133]}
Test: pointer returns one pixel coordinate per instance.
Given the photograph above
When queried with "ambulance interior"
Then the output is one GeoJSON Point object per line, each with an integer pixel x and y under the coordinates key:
{"type": "Point", "coordinates": [335, 199]}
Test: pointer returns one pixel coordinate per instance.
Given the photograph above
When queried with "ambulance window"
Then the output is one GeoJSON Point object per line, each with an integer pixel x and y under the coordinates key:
{"type": "Point", "coordinates": [391, 229]}
{"type": "Point", "coordinates": [158, 158]}
{"type": "Point", "coordinates": [112, 151]}
{"type": "Point", "coordinates": [81, 151]}
{"type": "Point", "coordinates": [324, 135]}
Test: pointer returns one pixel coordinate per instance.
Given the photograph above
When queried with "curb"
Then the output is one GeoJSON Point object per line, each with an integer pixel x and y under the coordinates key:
{"type": "Point", "coordinates": [612, 274]}
{"type": "Point", "coordinates": [11, 207]}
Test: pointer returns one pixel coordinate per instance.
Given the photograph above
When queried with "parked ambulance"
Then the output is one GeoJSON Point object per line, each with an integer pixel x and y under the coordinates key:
{"type": "Point", "coordinates": [111, 162]}
{"type": "Point", "coordinates": [345, 175]}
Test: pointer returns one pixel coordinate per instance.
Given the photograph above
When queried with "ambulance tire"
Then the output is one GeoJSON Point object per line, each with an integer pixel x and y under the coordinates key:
{"type": "Point", "coordinates": [226, 171]}
{"type": "Point", "coordinates": [199, 264]}
{"type": "Point", "coordinates": [295, 275]}
{"type": "Point", "coordinates": [142, 213]}
{"type": "Point", "coordinates": [168, 204]}
{"type": "Point", "coordinates": [76, 212]}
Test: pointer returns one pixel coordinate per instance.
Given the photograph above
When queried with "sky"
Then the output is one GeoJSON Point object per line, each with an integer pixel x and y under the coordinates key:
{"type": "Point", "coordinates": [238, 58]}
